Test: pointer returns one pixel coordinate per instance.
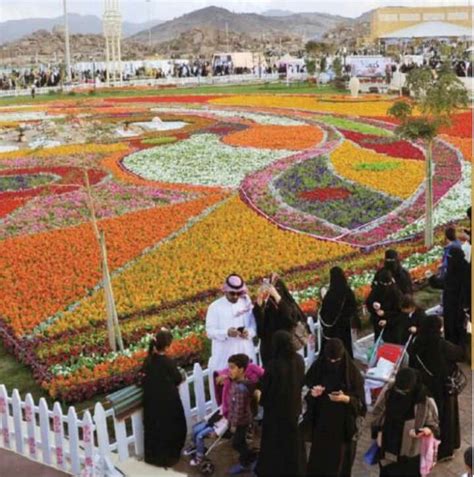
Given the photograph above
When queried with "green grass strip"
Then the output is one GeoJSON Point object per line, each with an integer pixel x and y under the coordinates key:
{"type": "Point", "coordinates": [354, 126]}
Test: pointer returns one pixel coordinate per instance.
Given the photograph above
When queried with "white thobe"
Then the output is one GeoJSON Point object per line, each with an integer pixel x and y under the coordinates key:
{"type": "Point", "coordinates": [222, 315]}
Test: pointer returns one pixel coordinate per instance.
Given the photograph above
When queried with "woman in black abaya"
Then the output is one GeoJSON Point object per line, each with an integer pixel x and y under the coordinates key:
{"type": "Point", "coordinates": [274, 310]}
{"type": "Point", "coordinates": [456, 296]}
{"type": "Point", "coordinates": [335, 401]}
{"type": "Point", "coordinates": [403, 415]}
{"type": "Point", "coordinates": [383, 304]}
{"type": "Point", "coordinates": [435, 358]}
{"type": "Point", "coordinates": [281, 449]}
{"type": "Point", "coordinates": [338, 309]}
{"type": "Point", "coordinates": [400, 275]}
{"type": "Point", "coordinates": [164, 420]}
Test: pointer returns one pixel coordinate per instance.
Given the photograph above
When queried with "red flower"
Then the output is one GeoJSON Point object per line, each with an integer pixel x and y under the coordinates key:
{"type": "Point", "coordinates": [325, 194]}
{"type": "Point", "coordinates": [71, 179]}
{"type": "Point", "coordinates": [388, 146]}
{"type": "Point", "coordinates": [162, 99]}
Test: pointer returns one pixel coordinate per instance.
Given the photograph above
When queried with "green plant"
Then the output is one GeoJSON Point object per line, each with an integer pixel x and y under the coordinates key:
{"type": "Point", "coordinates": [438, 97]}
{"type": "Point", "coordinates": [156, 141]}
{"type": "Point", "coordinates": [337, 66]}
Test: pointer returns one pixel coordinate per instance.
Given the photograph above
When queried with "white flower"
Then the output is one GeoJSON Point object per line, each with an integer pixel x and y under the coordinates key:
{"type": "Point", "coordinates": [202, 160]}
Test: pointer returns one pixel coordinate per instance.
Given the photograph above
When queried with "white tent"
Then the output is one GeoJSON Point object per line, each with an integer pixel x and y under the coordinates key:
{"type": "Point", "coordinates": [430, 30]}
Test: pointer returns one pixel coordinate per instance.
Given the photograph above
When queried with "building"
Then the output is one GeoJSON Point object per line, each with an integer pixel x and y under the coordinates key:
{"type": "Point", "coordinates": [421, 22]}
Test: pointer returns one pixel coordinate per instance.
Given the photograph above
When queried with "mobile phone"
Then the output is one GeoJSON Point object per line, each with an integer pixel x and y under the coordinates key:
{"type": "Point", "coordinates": [241, 329]}
{"type": "Point", "coordinates": [336, 393]}
{"type": "Point", "coordinates": [418, 431]}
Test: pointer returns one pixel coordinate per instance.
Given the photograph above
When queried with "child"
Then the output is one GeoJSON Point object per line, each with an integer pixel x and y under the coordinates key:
{"type": "Point", "coordinates": [414, 316]}
{"type": "Point", "coordinates": [214, 424]}
{"type": "Point", "coordinates": [240, 413]}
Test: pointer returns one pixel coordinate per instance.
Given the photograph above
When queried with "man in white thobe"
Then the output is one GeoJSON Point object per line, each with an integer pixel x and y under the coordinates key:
{"type": "Point", "coordinates": [230, 323]}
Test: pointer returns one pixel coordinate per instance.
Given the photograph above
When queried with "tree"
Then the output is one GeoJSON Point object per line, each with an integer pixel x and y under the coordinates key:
{"type": "Point", "coordinates": [337, 66]}
{"type": "Point", "coordinates": [437, 97]}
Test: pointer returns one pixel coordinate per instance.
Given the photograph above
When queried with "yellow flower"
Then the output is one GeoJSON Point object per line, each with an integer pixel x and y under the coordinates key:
{"type": "Point", "coordinates": [309, 103]}
{"type": "Point", "coordinates": [360, 165]}
{"type": "Point", "coordinates": [233, 238]}
{"type": "Point", "coordinates": [66, 150]}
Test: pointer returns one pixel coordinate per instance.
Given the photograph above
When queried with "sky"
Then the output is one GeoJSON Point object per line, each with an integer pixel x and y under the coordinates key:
{"type": "Point", "coordinates": [142, 10]}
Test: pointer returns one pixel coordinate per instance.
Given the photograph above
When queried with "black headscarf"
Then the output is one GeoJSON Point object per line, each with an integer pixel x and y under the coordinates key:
{"type": "Point", "coordinates": [285, 294]}
{"type": "Point", "coordinates": [392, 261]}
{"type": "Point", "coordinates": [283, 347]}
{"type": "Point", "coordinates": [402, 397]}
{"type": "Point", "coordinates": [344, 373]}
{"type": "Point", "coordinates": [427, 347]}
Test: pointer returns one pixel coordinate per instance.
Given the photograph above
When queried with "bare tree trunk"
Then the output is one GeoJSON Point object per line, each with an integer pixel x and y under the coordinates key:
{"type": "Point", "coordinates": [113, 327]}
{"type": "Point", "coordinates": [429, 239]}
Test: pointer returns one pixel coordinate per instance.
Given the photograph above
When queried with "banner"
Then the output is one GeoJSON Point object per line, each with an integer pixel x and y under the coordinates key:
{"type": "Point", "coordinates": [368, 66]}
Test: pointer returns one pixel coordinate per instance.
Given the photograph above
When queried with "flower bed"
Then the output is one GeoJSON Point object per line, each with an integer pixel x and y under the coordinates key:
{"type": "Point", "coordinates": [363, 167]}
{"type": "Point", "coordinates": [175, 226]}
{"type": "Point", "coordinates": [64, 264]}
{"type": "Point", "coordinates": [292, 138]}
{"type": "Point", "coordinates": [201, 160]}
{"type": "Point", "coordinates": [357, 207]}
{"type": "Point", "coordinates": [390, 146]}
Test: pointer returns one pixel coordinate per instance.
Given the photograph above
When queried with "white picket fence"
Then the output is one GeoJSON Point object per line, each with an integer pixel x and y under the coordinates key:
{"type": "Point", "coordinates": [88, 447]}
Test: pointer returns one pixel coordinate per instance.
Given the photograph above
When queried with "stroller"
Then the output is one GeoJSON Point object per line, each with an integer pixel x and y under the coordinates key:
{"type": "Point", "coordinates": [385, 361]}
{"type": "Point", "coordinates": [215, 426]}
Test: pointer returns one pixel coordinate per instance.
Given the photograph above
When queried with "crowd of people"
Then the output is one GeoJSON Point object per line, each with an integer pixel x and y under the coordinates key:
{"type": "Point", "coordinates": [311, 420]}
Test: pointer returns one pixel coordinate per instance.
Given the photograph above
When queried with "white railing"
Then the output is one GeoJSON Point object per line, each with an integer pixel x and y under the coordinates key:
{"type": "Point", "coordinates": [171, 81]}
{"type": "Point", "coordinates": [89, 446]}
{"type": "Point", "coordinates": [48, 436]}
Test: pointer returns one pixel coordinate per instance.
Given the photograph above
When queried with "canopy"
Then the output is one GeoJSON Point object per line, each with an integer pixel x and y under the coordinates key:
{"type": "Point", "coordinates": [430, 30]}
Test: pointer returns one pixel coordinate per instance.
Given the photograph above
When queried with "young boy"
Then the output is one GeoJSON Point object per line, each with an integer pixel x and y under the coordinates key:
{"type": "Point", "coordinates": [240, 413]}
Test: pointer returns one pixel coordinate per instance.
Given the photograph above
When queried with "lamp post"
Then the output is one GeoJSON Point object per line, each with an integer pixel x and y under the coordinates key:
{"type": "Point", "coordinates": [66, 39]}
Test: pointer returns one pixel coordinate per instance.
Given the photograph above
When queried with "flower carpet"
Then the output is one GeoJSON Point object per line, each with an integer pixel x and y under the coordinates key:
{"type": "Point", "coordinates": [251, 184]}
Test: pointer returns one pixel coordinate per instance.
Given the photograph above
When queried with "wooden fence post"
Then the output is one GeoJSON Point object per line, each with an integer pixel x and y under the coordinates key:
{"type": "Point", "coordinates": [5, 430]}
{"type": "Point", "coordinates": [73, 438]}
{"type": "Point", "coordinates": [58, 430]}
{"type": "Point", "coordinates": [17, 420]}
{"type": "Point", "coordinates": [30, 425]}
{"type": "Point", "coordinates": [88, 439]}
{"type": "Point", "coordinates": [44, 431]}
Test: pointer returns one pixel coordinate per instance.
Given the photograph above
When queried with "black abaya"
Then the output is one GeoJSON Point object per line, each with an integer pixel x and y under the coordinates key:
{"type": "Point", "coordinates": [333, 425]}
{"type": "Point", "coordinates": [282, 447]}
{"type": "Point", "coordinates": [338, 310]}
{"type": "Point", "coordinates": [270, 318]}
{"type": "Point", "coordinates": [389, 297]}
{"type": "Point", "coordinates": [400, 275]}
{"type": "Point", "coordinates": [456, 296]}
{"type": "Point", "coordinates": [164, 419]}
{"type": "Point", "coordinates": [437, 357]}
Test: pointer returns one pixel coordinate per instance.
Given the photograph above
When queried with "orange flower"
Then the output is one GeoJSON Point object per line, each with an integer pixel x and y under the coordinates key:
{"type": "Point", "coordinates": [293, 138]}
{"type": "Point", "coordinates": [43, 273]}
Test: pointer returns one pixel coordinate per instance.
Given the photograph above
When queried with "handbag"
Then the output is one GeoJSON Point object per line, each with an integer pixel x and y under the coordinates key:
{"type": "Point", "coordinates": [455, 382]}
{"type": "Point", "coordinates": [300, 335]}
{"type": "Point", "coordinates": [371, 457]}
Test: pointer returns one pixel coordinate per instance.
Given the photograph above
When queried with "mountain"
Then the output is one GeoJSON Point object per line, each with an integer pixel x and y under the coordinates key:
{"type": "Point", "coordinates": [78, 24]}
{"type": "Point", "coordinates": [218, 19]}
{"type": "Point", "coordinates": [277, 13]}
{"type": "Point", "coordinates": [47, 47]}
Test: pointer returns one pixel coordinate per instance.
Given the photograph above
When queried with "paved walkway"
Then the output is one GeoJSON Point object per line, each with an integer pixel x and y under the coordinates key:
{"type": "Point", "coordinates": [14, 465]}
